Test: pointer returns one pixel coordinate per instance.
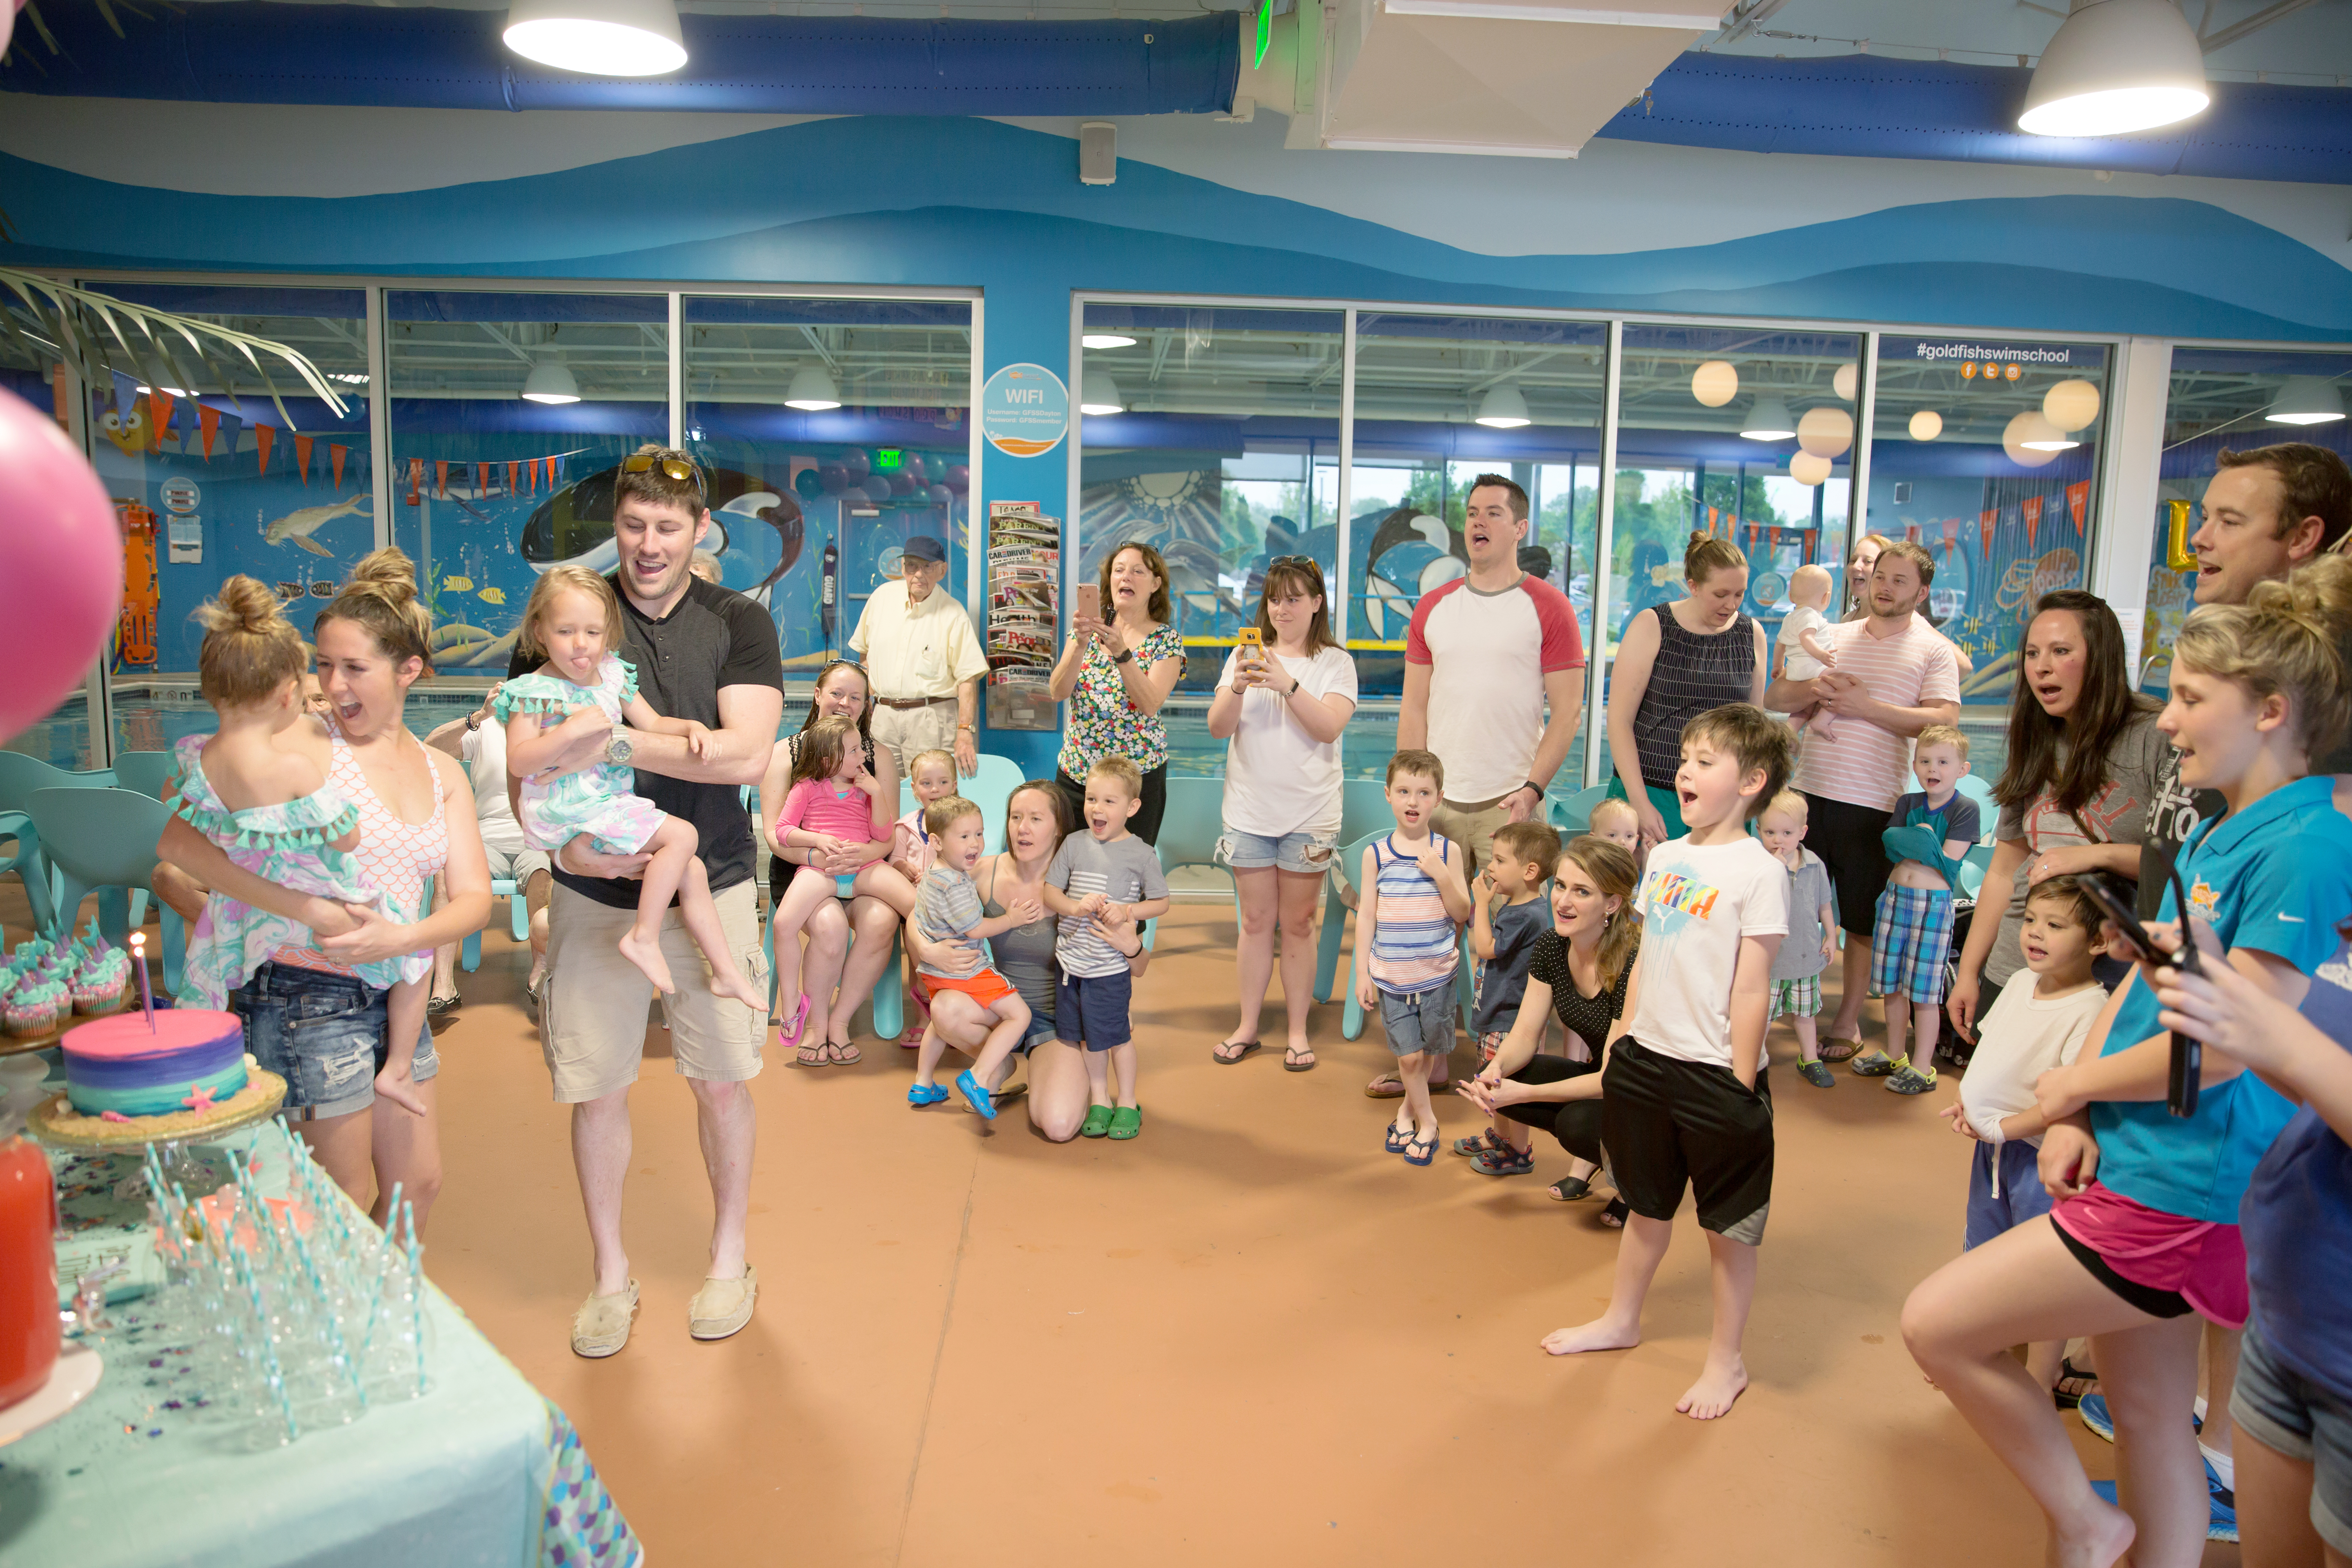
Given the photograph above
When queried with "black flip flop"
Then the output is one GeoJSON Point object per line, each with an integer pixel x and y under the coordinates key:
{"type": "Point", "coordinates": [1248, 1049]}
{"type": "Point", "coordinates": [1290, 1062]}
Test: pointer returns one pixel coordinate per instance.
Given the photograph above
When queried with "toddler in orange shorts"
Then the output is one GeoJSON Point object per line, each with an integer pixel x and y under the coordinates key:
{"type": "Point", "coordinates": [949, 909]}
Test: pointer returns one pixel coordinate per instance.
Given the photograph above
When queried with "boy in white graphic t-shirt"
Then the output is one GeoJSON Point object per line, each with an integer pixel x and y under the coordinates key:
{"type": "Point", "coordinates": [1683, 1100]}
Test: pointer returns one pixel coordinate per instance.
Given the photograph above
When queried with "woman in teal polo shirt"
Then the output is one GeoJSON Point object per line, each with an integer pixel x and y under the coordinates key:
{"type": "Point", "coordinates": [2145, 1236]}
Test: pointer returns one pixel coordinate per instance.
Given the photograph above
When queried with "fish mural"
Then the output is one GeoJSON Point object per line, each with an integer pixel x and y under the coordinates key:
{"type": "Point", "coordinates": [298, 526]}
{"type": "Point", "coordinates": [457, 585]}
{"type": "Point", "coordinates": [492, 596]}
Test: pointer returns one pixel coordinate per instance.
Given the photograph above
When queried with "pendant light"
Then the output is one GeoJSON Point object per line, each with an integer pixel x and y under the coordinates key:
{"type": "Point", "coordinates": [812, 390]}
{"type": "Point", "coordinates": [1099, 393]}
{"type": "Point", "coordinates": [2117, 67]}
{"type": "Point", "coordinates": [598, 37]}
{"type": "Point", "coordinates": [2306, 400]}
{"type": "Point", "coordinates": [1503, 408]}
{"type": "Point", "coordinates": [550, 381]}
{"type": "Point", "coordinates": [1807, 468]}
{"type": "Point", "coordinates": [1107, 340]}
{"type": "Point", "coordinates": [1716, 382]}
{"type": "Point", "coordinates": [1768, 420]}
{"type": "Point", "coordinates": [1926, 425]}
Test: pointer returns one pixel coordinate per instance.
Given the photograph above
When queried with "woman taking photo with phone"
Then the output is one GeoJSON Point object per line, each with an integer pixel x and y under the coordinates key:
{"type": "Point", "coordinates": [2144, 1237]}
{"type": "Point", "coordinates": [1284, 696]}
{"type": "Point", "coordinates": [1115, 674]}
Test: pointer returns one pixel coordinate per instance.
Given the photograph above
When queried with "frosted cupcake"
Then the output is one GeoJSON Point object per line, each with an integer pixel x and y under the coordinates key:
{"type": "Point", "coordinates": [37, 1009]}
{"type": "Point", "coordinates": [98, 988]}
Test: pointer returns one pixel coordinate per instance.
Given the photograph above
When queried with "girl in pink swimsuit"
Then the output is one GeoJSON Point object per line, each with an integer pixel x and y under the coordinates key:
{"type": "Point", "coordinates": [831, 800]}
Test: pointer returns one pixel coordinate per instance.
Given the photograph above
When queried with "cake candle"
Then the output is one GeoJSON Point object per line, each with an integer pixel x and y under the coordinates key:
{"type": "Point", "coordinates": [139, 959]}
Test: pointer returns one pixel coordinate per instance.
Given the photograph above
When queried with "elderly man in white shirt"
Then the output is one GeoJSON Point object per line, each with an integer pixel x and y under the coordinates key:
{"type": "Point", "coordinates": [923, 661]}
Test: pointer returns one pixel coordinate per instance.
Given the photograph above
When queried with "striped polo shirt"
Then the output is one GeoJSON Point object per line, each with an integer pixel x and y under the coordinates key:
{"type": "Point", "coordinates": [1414, 940]}
{"type": "Point", "coordinates": [1859, 762]}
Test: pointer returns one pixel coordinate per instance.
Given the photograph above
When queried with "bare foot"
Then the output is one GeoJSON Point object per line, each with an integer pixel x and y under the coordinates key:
{"type": "Point", "coordinates": [2105, 1540]}
{"type": "Point", "coordinates": [646, 954]}
{"type": "Point", "coordinates": [1600, 1335]}
{"type": "Point", "coordinates": [739, 989]}
{"type": "Point", "coordinates": [1713, 1395]}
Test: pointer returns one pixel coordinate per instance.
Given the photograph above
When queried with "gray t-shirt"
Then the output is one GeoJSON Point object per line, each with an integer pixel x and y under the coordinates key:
{"type": "Point", "coordinates": [948, 906]}
{"type": "Point", "coordinates": [1126, 870]}
{"type": "Point", "coordinates": [2118, 814]}
{"type": "Point", "coordinates": [1800, 957]}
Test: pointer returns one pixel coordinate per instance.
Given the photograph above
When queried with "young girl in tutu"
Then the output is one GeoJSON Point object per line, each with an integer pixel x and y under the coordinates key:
{"type": "Point", "coordinates": [259, 788]}
{"type": "Point", "coordinates": [572, 620]}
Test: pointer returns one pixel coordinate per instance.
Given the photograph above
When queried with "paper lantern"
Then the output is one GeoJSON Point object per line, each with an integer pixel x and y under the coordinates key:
{"type": "Point", "coordinates": [1847, 381]}
{"type": "Point", "coordinates": [2071, 404]}
{"type": "Point", "coordinates": [2022, 437]}
{"type": "Point", "coordinates": [1926, 425]}
{"type": "Point", "coordinates": [1807, 468]}
{"type": "Point", "coordinates": [1826, 431]}
{"type": "Point", "coordinates": [1715, 382]}
{"type": "Point", "coordinates": [61, 556]}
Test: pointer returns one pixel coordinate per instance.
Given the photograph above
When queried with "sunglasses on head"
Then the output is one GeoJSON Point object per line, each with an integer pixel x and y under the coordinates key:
{"type": "Point", "coordinates": [679, 469]}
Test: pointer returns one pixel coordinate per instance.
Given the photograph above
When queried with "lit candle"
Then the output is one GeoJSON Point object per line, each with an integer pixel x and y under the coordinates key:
{"type": "Point", "coordinates": [139, 959]}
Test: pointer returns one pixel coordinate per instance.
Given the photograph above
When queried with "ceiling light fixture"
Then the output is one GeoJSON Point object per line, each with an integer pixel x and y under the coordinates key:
{"type": "Point", "coordinates": [1826, 431]}
{"type": "Point", "coordinates": [2116, 67]}
{"type": "Point", "coordinates": [168, 391]}
{"type": "Point", "coordinates": [1107, 340]}
{"type": "Point", "coordinates": [812, 390]}
{"type": "Point", "coordinates": [1768, 420]}
{"type": "Point", "coordinates": [1926, 425]}
{"type": "Point", "coordinates": [2306, 400]}
{"type": "Point", "coordinates": [598, 37]}
{"type": "Point", "coordinates": [2029, 438]}
{"type": "Point", "coordinates": [2072, 403]}
{"type": "Point", "coordinates": [1503, 408]}
{"type": "Point", "coordinates": [551, 381]}
{"type": "Point", "coordinates": [1807, 468]}
{"type": "Point", "coordinates": [1099, 393]}
{"type": "Point", "coordinates": [1716, 382]}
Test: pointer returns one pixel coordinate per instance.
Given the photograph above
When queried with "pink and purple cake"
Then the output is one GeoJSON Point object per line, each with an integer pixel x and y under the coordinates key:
{"type": "Point", "coordinates": [190, 1058]}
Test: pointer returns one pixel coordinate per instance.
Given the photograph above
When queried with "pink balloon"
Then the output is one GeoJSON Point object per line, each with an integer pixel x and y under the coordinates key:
{"type": "Point", "coordinates": [61, 556]}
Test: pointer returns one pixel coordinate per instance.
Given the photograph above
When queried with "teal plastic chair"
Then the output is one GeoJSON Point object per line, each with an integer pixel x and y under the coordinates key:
{"type": "Point", "coordinates": [20, 777]}
{"type": "Point", "coordinates": [988, 789]}
{"type": "Point", "coordinates": [1573, 815]}
{"type": "Point", "coordinates": [1193, 824]}
{"type": "Point", "coordinates": [1988, 809]}
{"type": "Point", "coordinates": [469, 953]}
{"type": "Point", "coordinates": [1364, 809]}
{"type": "Point", "coordinates": [104, 840]}
{"type": "Point", "coordinates": [148, 772]}
{"type": "Point", "coordinates": [1326, 955]}
{"type": "Point", "coordinates": [889, 996]}
{"type": "Point", "coordinates": [1973, 867]}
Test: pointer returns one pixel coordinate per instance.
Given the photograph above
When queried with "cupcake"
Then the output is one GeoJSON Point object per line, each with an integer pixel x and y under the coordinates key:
{"type": "Point", "coordinates": [35, 1010]}
{"type": "Point", "coordinates": [98, 989]}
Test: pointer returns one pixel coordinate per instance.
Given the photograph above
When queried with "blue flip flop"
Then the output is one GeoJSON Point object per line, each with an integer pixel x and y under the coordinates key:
{"type": "Point", "coordinates": [1398, 1137]}
{"type": "Point", "coordinates": [1420, 1152]}
{"type": "Point", "coordinates": [971, 1088]}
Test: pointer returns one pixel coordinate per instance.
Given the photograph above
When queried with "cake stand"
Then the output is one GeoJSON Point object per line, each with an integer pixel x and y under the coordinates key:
{"type": "Point", "coordinates": [56, 1122]}
{"type": "Point", "coordinates": [70, 1381]}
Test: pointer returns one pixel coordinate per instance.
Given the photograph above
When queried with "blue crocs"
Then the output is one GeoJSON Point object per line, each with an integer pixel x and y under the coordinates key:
{"type": "Point", "coordinates": [2094, 1411]}
{"type": "Point", "coordinates": [2222, 1525]}
{"type": "Point", "coordinates": [970, 1089]}
{"type": "Point", "coordinates": [920, 1094]}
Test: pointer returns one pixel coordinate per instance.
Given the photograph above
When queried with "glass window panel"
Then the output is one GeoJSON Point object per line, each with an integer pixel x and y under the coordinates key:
{"type": "Point", "coordinates": [491, 487]}
{"type": "Point", "coordinates": [210, 479]}
{"type": "Point", "coordinates": [1223, 454]}
{"type": "Point", "coordinates": [1439, 400]}
{"type": "Point", "coordinates": [832, 493]}
{"type": "Point", "coordinates": [1708, 442]}
{"type": "Point", "coordinates": [2226, 398]}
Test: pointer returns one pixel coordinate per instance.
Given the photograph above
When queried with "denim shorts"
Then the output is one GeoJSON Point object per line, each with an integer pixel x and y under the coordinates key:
{"type": "Point", "coordinates": [1422, 1021]}
{"type": "Point", "coordinates": [1040, 1029]}
{"type": "Point", "coordinates": [324, 1034]}
{"type": "Point", "coordinates": [2288, 1414]}
{"type": "Point", "coordinates": [1306, 852]}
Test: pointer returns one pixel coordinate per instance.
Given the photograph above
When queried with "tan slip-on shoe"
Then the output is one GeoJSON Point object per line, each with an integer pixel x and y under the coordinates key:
{"type": "Point", "coordinates": [601, 1326]}
{"type": "Point", "coordinates": [722, 1306]}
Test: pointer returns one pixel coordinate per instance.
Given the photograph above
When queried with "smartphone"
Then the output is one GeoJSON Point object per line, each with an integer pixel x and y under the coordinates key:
{"type": "Point", "coordinates": [1090, 600]}
{"type": "Point", "coordinates": [1251, 643]}
{"type": "Point", "coordinates": [2187, 1065]}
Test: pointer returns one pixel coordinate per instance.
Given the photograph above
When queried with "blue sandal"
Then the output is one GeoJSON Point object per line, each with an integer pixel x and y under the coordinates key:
{"type": "Point", "coordinates": [977, 1096]}
{"type": "Point", "coordinates": [1420, 1152]}
{"type": "Point", "coordinates": [919, 1094]}
{"type": "Point", "coordinates": [1398, 1137]}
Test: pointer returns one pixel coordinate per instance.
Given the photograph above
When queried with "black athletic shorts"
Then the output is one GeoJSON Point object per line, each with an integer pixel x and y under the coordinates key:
{"type": "Point", "coordinates": [1848, 839]}
{"type": "Point", "coordinates": [1670, 1123]}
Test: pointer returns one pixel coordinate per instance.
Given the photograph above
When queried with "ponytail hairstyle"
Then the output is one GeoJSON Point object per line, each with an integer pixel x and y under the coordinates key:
{"type": "Point", "coordinates": [1612, 871]}
{"type": "Point", "coordinates": [251, 649]}
{"type": "Point", "coordinates": [575, 579]}
{"type": "Point", "coordinates": [381, 597]}
{"type": "Point", "coordinates": [821, 746]}
{"type": "Point", "coordinates": [2283, 640]}
{"type": "Point", "coordinates": [1705, 555]}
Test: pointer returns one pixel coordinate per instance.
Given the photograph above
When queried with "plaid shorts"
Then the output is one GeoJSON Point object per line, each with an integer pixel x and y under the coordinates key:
{"type": "Point", "coordinates": [1490, 1043]}
{"type": "Point", "coordinates": [1797, 998]}
{"type": "Point", "coordinates": [1909, 942]}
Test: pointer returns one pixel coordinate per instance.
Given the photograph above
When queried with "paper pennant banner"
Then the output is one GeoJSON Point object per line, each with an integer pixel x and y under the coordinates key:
{"type": "Point", "coordinates": [416, 481]}
{"type": "Point", "coordinates": [1911, 532]}
{"type": "Point", "coordinates": [2032, 508]}
{"type": "Point", "coordinates": [2078, 499]}
{"type": "Point", "coordinates": [159, 417]}
{"type": "Point", "coordinates": [266, 436]}
{"type": "Point", "coordinates": [482, 480]}
{"type": "Point", "coordinates": [302, 457]}
{"type": "Point", "coordinates": [1985, 525]}
{"type": "Point", "coordinates": [335, 455]}
{"type": "Point", "coordinates": [441, 481]}
{"type": "Point", "coordinates": [512, 471]}
{"type": "Point", "coordinates": [1951, 536]}
{"type": "Point", "coordinates": [208, 420]}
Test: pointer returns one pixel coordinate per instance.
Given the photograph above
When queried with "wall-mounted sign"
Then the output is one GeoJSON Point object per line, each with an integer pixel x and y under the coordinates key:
{"type": "Point", "coordinates": [181, 495]}
{"type": "Point", "coordinates": [1024, 410]}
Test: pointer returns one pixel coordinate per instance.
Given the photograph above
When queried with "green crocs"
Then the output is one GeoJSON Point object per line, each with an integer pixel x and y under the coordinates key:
{"type": "Point", "coordinates": [1817, 1075]}
{"type": "Point", "coordinates": [1096, 1123]}
{"type": "Point", "coordinates": [1874, 1064]}
{"type": "Point", "coordinates": [1127, 1121]}
{"type": "Point", "coordinates": [1909, 1080]}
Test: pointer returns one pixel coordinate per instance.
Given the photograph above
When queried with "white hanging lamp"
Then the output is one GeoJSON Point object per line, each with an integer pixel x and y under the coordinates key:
{"type": "Point", "coordinates": [2306, 400]}
{"type": "Point", "coordinates": [2116, 67]}
{"type": "Point", "coordinates": [812, 390]}
{"type": "Point", "coordinates": [1099, 393]}
{"type": "Point", "coordinates": [1503, 408]}
{"type": "Point", "coordinates": [550, 381]}
{"type": "Point", "coordinates": [1768, 420]}
{"type": "Point", "coordinates": [598, 37]}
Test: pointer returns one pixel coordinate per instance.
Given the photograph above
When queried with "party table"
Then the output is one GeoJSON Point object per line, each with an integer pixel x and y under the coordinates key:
{"type": "Point", "coordinates": [480, 1470]}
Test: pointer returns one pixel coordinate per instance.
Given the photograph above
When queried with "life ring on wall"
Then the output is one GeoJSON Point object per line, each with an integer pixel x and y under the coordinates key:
{"type": "Point", "coordinates": [142, 589]}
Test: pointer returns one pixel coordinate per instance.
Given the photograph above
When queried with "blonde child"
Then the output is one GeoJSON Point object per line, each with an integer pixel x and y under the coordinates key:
{"type": "Point", "coordinates": [1413, 903]}
{"type": "Point", "coordinates": [1507, 913]}
{"type": "Point", "coordinates": [1617, 821]}
{"type": "Point", "coordinates": [931, 775]}
{"type": "Point", "coordinates": [1811, 940]}
{"type": "Point", "coordinates": [1928, 833]}
{"type": "Point", "coordinates": [1805, 645]}
{"type": "Point", "coordinates": [1101, 882]}
{"type": "Point", "coordinates": [829, 801]}
{"type": "Point", "coordinates": [2029, 1031]}
{"type": "Point", "coordinates": [572, 620]}
{"type": "Point", "coordinates": [948, 908]}
{"type": "Point", "coordinates": [259, 788]}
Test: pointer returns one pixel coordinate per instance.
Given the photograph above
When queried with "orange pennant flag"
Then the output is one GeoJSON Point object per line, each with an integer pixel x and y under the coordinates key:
{"type": "Point", "coordinates": [415, 480]}
{"type": "Point", "coordinates": [513, 487]}
{"type": "Point", "coordinates": [335, 456]}
{"type": "Point", "coordinates": [1985, 521]}
{"type": "Point", "coordinates": [2078, 499]}
{"type": "Point", "coordinates": [1951, 536]}
{"type": "Point", "coordinates": [482, 480]}
{"type": "Point", "coordinates": [159, 417]}
{"type": "Point", "coordinates": [1911, 532]}
{"type": "Point", "coordinates": [267, 436]}
{"type": "Point", "coordinates": [441, 480]}
{"type": "Point", "coordinates": [60, 403]}
{"type": "Point", "coordinates": [2032, 508]}
{"type": "Point", "coordinates": [208, 425]}
{"type": "Point", "coordinates": [302, 458]}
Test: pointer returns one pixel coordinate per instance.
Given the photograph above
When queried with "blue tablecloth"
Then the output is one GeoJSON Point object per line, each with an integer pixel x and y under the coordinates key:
{"type": "Point", "coordinates": [480, 1470]}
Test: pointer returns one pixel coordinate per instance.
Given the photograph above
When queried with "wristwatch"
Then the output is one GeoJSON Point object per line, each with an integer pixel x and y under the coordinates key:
{"type": "Point", "coordinates": [617, 750]}
{"type": "Point", "coordinates": [474, 720]}
{"type": "Point", "coordinates": [1126, 656]}
{"type": "Point", "coordinates": [964, 727]}
{"type": "Point", "coordinates": [1533, 786]}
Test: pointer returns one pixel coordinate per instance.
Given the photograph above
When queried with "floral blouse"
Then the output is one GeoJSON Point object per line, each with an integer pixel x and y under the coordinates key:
{"type": "Point", "coordinates": [1103, 723]}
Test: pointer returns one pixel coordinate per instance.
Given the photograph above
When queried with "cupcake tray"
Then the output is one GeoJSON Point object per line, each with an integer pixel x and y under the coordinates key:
{"type": "Point", "coordinates": [14, 1044]}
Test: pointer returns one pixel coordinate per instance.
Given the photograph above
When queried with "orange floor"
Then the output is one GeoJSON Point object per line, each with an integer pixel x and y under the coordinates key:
{"type": "Point", "coordinates": [1249, 1337]}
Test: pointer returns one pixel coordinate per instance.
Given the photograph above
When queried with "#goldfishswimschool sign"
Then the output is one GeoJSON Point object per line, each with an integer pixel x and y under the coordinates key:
{"type": "Point", "coordinates": [1024, 410]}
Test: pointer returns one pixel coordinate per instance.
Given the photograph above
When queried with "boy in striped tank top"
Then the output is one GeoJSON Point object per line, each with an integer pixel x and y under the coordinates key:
{"type": "Point", "coordinates": [1415, 902]}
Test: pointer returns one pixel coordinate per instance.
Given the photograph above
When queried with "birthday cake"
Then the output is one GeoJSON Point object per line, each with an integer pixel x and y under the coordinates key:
{"type": "Point", "coordinates": [190, 1060]}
